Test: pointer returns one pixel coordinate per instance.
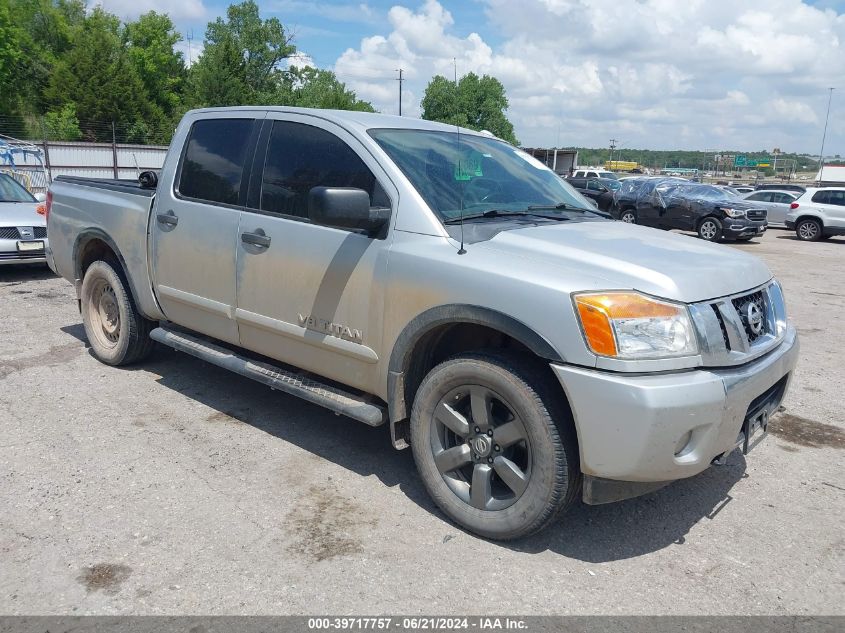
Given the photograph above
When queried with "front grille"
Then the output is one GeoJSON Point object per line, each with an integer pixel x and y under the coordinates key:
{"type": "Point", "coordinates": [751, 309]}
{"type": "Point", "coordinates": [23, 255]}
{"type": "Point", "coordinates": [12, 233]}
{"type": "Point", "coordinates": [721, 321]}
{"type": "Point", "coordinates": [756, 214]}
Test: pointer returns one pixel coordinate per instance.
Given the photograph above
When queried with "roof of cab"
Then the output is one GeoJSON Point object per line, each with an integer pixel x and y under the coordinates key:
{"type": "Point", "coordinates": [348, 118]}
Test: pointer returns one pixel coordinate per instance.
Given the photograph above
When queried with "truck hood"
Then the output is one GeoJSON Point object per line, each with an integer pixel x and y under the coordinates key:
{"type": "Point", "coordinates": [20, 214]}
{"type": "Point", "coordinates": [600, 255]}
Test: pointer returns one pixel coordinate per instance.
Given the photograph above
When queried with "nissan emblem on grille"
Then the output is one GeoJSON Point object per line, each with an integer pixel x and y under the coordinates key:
{"type": "Point", "coordinates": [26, 232]}
{"type": "Point", "coordinates": [754, 317]}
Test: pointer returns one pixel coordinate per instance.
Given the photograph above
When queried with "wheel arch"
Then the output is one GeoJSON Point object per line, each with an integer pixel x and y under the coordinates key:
{"type": "Point", "coordinates": [441, 332]}
{"type": "Point", "coordinates": [810, 216]}
{"type": "Point", "coordinates": [93, 244]}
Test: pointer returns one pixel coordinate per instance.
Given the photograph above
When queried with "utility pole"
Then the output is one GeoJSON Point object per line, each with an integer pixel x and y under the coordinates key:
{"type": "Point", "coordinates": [400, 80]}
{"type": "Point", "coordinates": [613, 143]}
{"type": "Point", "coordinates": [824, 134]}
{"type": "Point", "coordinates": [190, 39]}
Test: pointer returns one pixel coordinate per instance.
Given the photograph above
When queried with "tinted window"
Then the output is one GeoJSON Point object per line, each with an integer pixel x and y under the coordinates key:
{"type": "Point", "coordinates": [837, 198]}
{"type": "Point", "coordinates": [783, 198]}
{"type": "Point", "coordinates": [592, 185]}
{"type": "Point", "coordinates": [760, 197]}
{"type": "Point", "coordinates": [821, 196]}
{"type": "Point", "coordinates": [214, 160]}
{"type": "Point", "coordinates": [301, 157]}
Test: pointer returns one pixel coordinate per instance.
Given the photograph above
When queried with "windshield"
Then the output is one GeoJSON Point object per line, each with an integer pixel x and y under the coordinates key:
{"type": "Point", "coordinates": [607, 174]}
{"type": "Point", "coordinates": [12, 191]}
{"type": "Point", "coordinates": [478, 174]}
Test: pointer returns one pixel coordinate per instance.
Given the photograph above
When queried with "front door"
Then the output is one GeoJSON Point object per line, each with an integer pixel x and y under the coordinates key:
{"type": "Point", "coordinates": [312, 295]}
{"type": "Point", "coordinates": [194, 229]}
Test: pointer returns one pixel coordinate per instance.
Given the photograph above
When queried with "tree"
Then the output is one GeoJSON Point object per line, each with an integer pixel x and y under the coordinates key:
{"type": "Point", "coordinates": [11, 57]}
{"type": "Point", "coordinates": [62, 124]}
{"type": "Point", "coordinates": [246, 51]}
{"type": "Point", "coordinates": [310, 87]}
{"type": "Point", "coordinates": [478, 103]}
{"type": "Point", "coordinates": [150, 41]}
{"type": "Point", "coordinates": [98, 76]}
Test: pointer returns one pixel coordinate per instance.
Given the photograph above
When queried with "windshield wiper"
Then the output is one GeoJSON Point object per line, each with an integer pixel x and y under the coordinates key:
{"type": "Point", "coordinates": [496, 213]}
{"type": "Point", "coordinates": [557, 207]}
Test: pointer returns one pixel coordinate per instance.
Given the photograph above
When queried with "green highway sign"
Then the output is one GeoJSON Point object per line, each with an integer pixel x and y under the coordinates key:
{"type": "Point", "coordinates": [744, 161]}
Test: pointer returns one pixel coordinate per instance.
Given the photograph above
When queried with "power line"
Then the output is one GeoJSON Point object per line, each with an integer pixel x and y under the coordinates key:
{"type": "Point", "coordinates": [824, 134]}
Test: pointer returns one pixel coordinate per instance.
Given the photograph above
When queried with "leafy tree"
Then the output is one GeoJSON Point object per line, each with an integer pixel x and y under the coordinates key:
{"type": "Point", "coordinates": [478, 103]}
{"type": "Point", "coordinates": [97, 74]}
{"type": "Point", "coordinates": [11, 57]}
{"type": "Point", "coordinates": [246, 51]}
{"type": "Point", "coordinates": [150, 41]}
{"type": "Point", "coordinates": [310, 87]}
{"type": "Point", "coordinates": [62, 124]}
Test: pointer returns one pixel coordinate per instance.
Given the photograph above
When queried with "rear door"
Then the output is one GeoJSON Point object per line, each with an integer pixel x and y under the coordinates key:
{"type": "Point", "coordinates": [312, 295]}
{"type": "Point", "coordinates": [835, 209]}
{"type": "Point", "coordinates": [194, 228]}
{"type": "Point", "coordinates": [779, 207]}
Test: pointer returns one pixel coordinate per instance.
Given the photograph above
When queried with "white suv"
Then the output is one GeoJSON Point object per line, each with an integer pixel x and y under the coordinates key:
{"type": "Point", "coordinates": [594, 173]}
{"type": "Point", "coordinates": [819, 213]}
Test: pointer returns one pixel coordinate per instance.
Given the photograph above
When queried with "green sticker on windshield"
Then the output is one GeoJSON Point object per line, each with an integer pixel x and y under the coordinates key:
{"type": "Point", "coordinates": [469, 166]}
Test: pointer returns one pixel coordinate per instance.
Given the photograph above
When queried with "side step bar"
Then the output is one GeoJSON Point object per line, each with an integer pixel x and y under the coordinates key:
{"type": "Point", "coordinates": [304, 387]}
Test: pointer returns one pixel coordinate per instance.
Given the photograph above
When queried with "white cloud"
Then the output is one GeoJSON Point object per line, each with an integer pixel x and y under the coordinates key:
{"type": "Point", "coordinates": [702, 73]}
{"type": "Point", "coordinates": [182, 10]}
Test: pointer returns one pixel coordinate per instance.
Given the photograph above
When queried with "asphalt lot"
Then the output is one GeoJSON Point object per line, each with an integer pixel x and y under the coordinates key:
{"type": "Point", "coordinates": [175, 487]}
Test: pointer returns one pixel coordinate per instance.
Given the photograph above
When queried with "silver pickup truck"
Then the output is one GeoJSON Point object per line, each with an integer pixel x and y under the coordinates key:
{"type": "Point", "coordinates": [441, 282]}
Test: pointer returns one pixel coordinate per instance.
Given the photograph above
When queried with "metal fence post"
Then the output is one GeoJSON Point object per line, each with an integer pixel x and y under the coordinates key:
{"type": "Point", "coordinates": [114, 151]}
{"type": "Point", "coordinates": [46, 152]}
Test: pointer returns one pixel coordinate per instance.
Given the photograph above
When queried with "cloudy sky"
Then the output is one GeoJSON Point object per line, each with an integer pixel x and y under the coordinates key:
{"type": "Point", "coordinates": [659, 74]}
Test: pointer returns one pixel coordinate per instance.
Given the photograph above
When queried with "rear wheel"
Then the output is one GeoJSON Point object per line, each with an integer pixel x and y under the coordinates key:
{"type": "Point", "coordinates": [628, 216]}
{"type": "Point", "coordinates": [493, 445]}
{"type": "Point", "coordinates": [809, 230]}
{"type": "Point", "coordinates": [710, 229]}
{"type": "Point", "coordinates": [117, 332]}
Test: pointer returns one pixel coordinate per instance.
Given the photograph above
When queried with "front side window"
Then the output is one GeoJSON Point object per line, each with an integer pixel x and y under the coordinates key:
{"type": "Point", "coordinates": [301, 157]}
{"type": "Point", "coordinates": [457, 173]}
{"type": "Point", "coordinates": [213, 165]}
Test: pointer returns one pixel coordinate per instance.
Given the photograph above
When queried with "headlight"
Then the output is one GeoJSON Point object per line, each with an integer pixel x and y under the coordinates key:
{"type": "Point", "coordinates": [734, 213]}
{"type": "Point", "coordinates": [629, 325]}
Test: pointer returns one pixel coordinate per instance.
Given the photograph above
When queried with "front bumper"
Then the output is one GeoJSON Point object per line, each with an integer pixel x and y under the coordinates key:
{"type": "Point", "coordinates": [10, 255]}
{"type": "Point", "coordinates": [656, 428]}
{"type": "Point", "coordinates": [743, 227]}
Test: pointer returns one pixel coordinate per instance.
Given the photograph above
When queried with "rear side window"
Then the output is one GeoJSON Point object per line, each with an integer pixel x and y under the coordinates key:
{"type": "Point", "coordinates": [301, 157]}
{"type": "Point", "coordinates": [760, 197]}
{"type": "Point", "coordinates": [213, 165]}
{"type": "Point", "coordinates": [821, 196]}
{"type": "Point", "coordinates": [836, 197]}
{"type": "Point", "coordinates": [784, 198]}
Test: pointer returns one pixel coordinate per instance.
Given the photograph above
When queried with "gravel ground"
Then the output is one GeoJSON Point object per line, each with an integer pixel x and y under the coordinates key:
{"type": "Point", "coordinates": [175, 487]}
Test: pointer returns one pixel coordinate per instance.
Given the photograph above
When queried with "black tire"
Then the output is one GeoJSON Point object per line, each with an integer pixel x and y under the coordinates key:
{"type": "Point", "coordinates": [117, 332]}
{"type": "Point", "coordinates": [531, 443]}
{"type": "Point", "coordinates": [628, 216]}
{"type": "Point", "coordinates": [710, 229]}
{"type": "Point", "coordinates": [809, 230]}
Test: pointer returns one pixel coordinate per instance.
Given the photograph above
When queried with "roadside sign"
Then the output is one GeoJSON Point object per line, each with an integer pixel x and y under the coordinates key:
{"type": "Point", "coordinates": [740, 161]}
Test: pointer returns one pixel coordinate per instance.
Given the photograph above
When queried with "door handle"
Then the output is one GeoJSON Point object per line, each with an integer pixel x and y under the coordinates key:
{"type": "Point", "coordinates": [168, 218]}
{"type": "Point", "coordinates": [256, 239]}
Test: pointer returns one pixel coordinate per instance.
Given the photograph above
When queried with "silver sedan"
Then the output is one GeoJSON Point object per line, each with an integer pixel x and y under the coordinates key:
{"type": "Point", "coordinates": [775, 202]}
{"type": "Point", "coordinates": [23, 226]}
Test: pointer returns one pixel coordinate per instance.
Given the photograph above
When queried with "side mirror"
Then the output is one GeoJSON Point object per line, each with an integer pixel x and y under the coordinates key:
{"type": "Point", "coordinates": [40, 196]}
{"type": "Point", "coordinates": [345, 207]}
{"type": "Point", "coordinates": [148, 179]}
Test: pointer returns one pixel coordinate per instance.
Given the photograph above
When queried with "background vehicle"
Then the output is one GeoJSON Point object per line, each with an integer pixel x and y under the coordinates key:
{"type": "Point", "coordinates": [743, 188]}
{"type": "Point", "coordinates": [818, 213]}
{"type": "Point", "coordinates": [671, 204]}
{"type": "Point", "coordinates": [23, 230]}
{"type": "Point", "coordinates": [447, 285]}
{"type": "Point", "coordinates": [594, 173]}
{"type": "Point", "coordinates": [599, 189]}
{"type": "Point", "coordinates": [777, 186]}
{"type": "Point", "coordinates": [776, 203]}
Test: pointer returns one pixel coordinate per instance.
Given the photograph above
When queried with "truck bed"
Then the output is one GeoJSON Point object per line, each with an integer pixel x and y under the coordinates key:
{"type": "Point", "coordinates": [132, 187]}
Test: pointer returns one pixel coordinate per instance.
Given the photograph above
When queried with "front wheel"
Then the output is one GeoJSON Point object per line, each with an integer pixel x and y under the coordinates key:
{"type": "Point", "coordinates": [628, 217]}
{"type": "Point", "coordinates": [710, 229]}
{"type": "Point", "coordinates": [117, 332]}
{"type": "Point", "coordinates": [494, 444]}
{"type": "Point", "coordinates": [809, 230]}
